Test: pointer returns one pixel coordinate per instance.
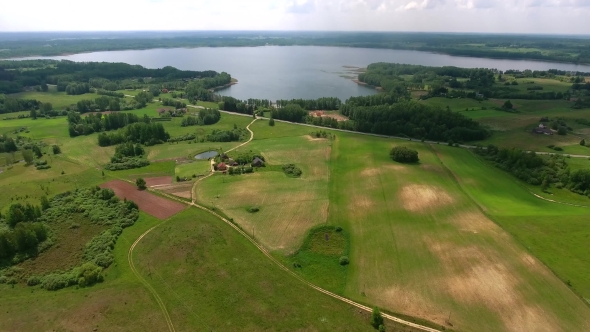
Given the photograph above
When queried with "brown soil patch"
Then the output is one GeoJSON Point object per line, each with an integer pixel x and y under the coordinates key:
{"type": "Point", "coordinates": [182, 189]}
{"type": "Point", "coordinates": [475, 222]}
{"type": "Point", "coordinates": [158, 181]}
{"type": "Point", "coordinates": [314, 139]}
{"type": "Point", "coordinates": [67, 250]}
{"type": "Point", "coordinates": [474, 276]}
{"type": "Point", "coordinates": [156, 206]}
{"type": "Point", "coordinates": [417, 198]}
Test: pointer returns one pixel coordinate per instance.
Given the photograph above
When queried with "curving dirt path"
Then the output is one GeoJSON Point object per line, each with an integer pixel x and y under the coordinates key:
{"type": "Point", "coordinates": [145, 283]}
{"type": "Point", "coordinates": [261, 248]}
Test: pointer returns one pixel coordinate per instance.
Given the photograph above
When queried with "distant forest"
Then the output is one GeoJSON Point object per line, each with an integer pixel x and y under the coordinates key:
{"type": "Point", "coordinates": [538, 47]}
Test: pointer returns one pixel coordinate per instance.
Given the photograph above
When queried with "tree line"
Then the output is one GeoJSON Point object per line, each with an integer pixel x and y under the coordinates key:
{"type": "Point", "coordinates": [98, 122]}
{"type": "Point", "coordinates": [326, 103]}
{"type": "Point", "coordinates": [140, 132]}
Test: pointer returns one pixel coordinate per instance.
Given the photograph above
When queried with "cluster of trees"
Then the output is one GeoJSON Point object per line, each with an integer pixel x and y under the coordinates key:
{"type": "Point", "coordinates": [225, 135]}
{"type": "Point", "coordinates": [323, 121]}
{"type": "Point", "coordinates": [535, 170]}
{"type": "Point", "coordinates": [10, 105]}
{"type": "Point", "coordinates": [140, 132]}
{"type": "Point", "coordinates": [402, 154]}
{"type": "Point", "coordinates": [187, 137]}
{"type": "Point", "coordinates": [24, 232]}
{"type": "Point", "coordinates": [201, 89]}
{"type": "Point", "coordinates": [175, 103]}
{"type": "Point", "coordinates": [290, 112]}
{"type": "Point", "coordinates": [292, 171]}
{"type": "Point", "coordinates": [257, 103]}
{"type": "Point", "coordinates": [7, 144]}
{"type": "Point", "coordinates": [387, 75]}
{"type": "Point", "coordinates": [205, 117]}
{"type": "Point", "coordinates": [326, 103]}
{"type": "Point", "coordinates": [101, 103]}
{"type": "Point", "coordinates": [110, 93]}
{"type": "Point", "coordinates": [75, 88]}
{"type": "Point", "coordinates": [231, 104]}
{"type": "Point", "coordinates": [98, 122]}
{"type": "Point", "coordinates": [373, 100]}
{"type": "Point", "coordinates": [127, 156]}
{"type": "Point", "coordinates": [412, 119]}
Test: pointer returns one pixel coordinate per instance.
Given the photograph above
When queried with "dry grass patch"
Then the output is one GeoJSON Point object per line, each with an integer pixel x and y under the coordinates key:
{"type": "Point", "coordinates": [419, 198]}
{"type": "Point", "coordinates": [475, 276]}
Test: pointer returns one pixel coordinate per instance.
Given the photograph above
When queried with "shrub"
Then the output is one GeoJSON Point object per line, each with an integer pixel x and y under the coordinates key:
{"type": "Point", "coordinates": [339, 229]}
{"type": "Point", "coordinates": [140, 183]}
{"type": "Point", "coordinates": [562, 131]}
{"type": "Point", "coordinates": [89, 274]}
{"type": "Point", "coordinates": [33, 281]}
{"type": "Point", "coordinates": [344, 260]}
{"type": "Point", "coordinates": [376, 318]}
{"type": "Point", "coordinates": [271, 122]}
{"type": "Point", "coordinates": [253, 209]}
{"type": "Point", "coordinates": [583, 142]}
{"type": "Point", "coordinates": [403, 154]}
{"type": "Point", "coordinates": [56, 149]}
{"type": "Point", "coordinates": [292, 170]}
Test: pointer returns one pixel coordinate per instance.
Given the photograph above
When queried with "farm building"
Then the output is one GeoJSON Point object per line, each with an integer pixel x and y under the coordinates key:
{"type": "Point", "coordinates": [542, 130]}
{"type": "Point", "coordinates": [222, 167]}
{"type": "Point", "coordinates": [257, 162]}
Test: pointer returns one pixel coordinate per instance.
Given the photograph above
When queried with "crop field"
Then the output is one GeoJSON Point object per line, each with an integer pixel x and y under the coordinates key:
{"type": "Point", "coordinates": [420, 246]}
{"type": "Point", "coordinates": [288, 206]}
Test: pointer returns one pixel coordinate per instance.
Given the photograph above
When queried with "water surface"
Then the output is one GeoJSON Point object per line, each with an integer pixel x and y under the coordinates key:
{"type": "Point", "coordinates": [285, 72]}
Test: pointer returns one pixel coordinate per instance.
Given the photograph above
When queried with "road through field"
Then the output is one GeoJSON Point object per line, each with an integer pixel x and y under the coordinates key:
{"type": "Point", "coordinates": [262, 249]}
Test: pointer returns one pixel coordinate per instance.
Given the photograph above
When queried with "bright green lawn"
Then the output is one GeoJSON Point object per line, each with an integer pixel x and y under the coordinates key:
{"type": "Point", "coordinates": [59, 100]}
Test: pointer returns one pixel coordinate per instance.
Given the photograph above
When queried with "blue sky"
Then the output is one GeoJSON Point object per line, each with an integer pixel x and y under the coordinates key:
{"type": "Point", "coordinates": [503, 16]}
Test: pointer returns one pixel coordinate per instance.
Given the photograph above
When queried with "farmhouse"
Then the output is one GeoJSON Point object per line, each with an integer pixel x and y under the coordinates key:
{"type": "Point", "coordinates": [222, 167]}
{"type": "Point", "coordinates": [257, 162]}
{"type": "Point", "coordinates": [542, 130]}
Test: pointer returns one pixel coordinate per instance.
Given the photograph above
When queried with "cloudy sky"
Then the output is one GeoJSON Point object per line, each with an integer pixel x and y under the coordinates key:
{"type": "Point", "coordinates": [511, 16]}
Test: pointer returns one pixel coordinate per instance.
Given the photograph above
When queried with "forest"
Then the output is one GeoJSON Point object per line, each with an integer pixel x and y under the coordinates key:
{"type": "Point", "coordinates": [79, 77]}
{"type": "Point", "coordinates": [537, 47]}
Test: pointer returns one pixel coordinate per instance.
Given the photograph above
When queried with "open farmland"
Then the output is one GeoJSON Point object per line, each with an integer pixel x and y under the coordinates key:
{"type": "Point", "coordinates": [421, 247]}
{"type": "Point", "coordinates": [156, 206]}
{"type": "Point", "coordinates": [288, 206]}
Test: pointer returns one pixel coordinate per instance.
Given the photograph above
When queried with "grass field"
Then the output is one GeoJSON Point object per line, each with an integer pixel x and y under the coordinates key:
{"type": "Point", "coordinates": [422, 247]}
{"type": "Point", "coordinates": [59, 100]}
{"type": "Point", "coordinates": [212, 279]}
{"type": "Point", "coordinates": [288, 206]}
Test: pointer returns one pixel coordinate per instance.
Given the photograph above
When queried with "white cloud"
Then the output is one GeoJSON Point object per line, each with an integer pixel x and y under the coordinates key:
{"type": "Point", "coordinates": [535, 16]}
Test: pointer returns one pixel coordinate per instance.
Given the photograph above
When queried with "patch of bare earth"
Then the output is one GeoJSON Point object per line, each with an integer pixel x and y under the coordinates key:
{"type": "Point", "coordinates": [182, 189]}
{"type": "Point", "coordinates": [474, 276]}
{"type": "Point", "coordinates": [156, 206]}
{"type": "Point", "coordinates": [157, 181]}
{"type": "Point", "coordinates": [419, 198]}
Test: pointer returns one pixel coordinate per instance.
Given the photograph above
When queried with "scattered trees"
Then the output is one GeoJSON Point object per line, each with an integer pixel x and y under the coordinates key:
{"type": "Point", "coordinates": [402, 154]}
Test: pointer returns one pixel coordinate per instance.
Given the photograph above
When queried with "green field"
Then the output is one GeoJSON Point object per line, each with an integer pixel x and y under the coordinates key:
{"type": "Point", "coordinates": [450, 241]}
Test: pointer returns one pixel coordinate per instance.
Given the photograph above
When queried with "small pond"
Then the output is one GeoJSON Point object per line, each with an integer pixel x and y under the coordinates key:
{"type": "Point", "coordinates": [206, 155]}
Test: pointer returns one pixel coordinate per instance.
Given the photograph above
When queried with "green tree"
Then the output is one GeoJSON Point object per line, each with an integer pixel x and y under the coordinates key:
{"type": "Point", "coordinates": [37, 151]}
{"type": "Point", "coordinates": [56, 149]}
{"type": "Point", "coordinates": [376, 318]}
{"type": "Point", "coordinates": [402, 154]}
{"type": "Point", "coordinates": [562, 131]}
{"type": "Point", "coordinates": [508, 105]}
{"type": "Point", "coordinates": [45, 203]}
{"type": "Point", "coordinates": [44, 87]}
{"type": "Point", "coordinates": [141, 184]}
{"type": "Point", "coordinates": [583, 142]}
{"type": "Point", "coordinates": [46, 108]}
{"type": "Point", "coordinates": [271, 122]}
{"type": "Point", "coordinates": [33, 114]}
{"type": "Point", "coordinates": [28, 156]}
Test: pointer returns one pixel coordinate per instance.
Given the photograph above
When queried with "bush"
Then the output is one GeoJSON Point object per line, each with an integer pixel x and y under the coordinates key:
{"type": "Point", "coordinates": [376, 318]}
{"type": "Point", "coordinates": [402, 154]}
{"type": "Point", "coordinates": [33, 281]}
{"type": "Point", "coordinates": [338, 229]}
{"type": "Point", "coordinates": [140, 183]}
{"type": "Point", "coordinates": [253, 209]}
{"type": "Point", "coordinates": [56, 149]}
{"type": "Point", "coordinates": [292, 170]}
{"type": "Point", "coordinates": [123, 163]}
{"type": "Point", "coordinates": [271, 122]}
{"type": "Point", "coordinates": [562, 131]}
{"type": "Point", "coordinates": [344, 260]}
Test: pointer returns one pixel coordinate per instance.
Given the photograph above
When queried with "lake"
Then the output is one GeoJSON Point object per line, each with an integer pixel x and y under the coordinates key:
{"type": "Point", "coordinates": [206, 155]}
{"type": "Point", "coordinates": [286, 72]}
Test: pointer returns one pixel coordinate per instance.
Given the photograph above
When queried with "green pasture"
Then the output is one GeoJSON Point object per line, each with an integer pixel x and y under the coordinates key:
{"type": "Point", "coordinates": [198, 168]}
{"type": "Point", "coordinates": [415, 232]}
{"type": "Point", "coordinates": [211, 278]}
{"type": "Point", "coordinates": [555, 233]}
{"type": "Point", "coordinates": [59, 100]}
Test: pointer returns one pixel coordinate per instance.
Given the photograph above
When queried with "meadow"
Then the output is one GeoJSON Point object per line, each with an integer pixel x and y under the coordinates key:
{"type": "Point", "coordinates": [450, 241]}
